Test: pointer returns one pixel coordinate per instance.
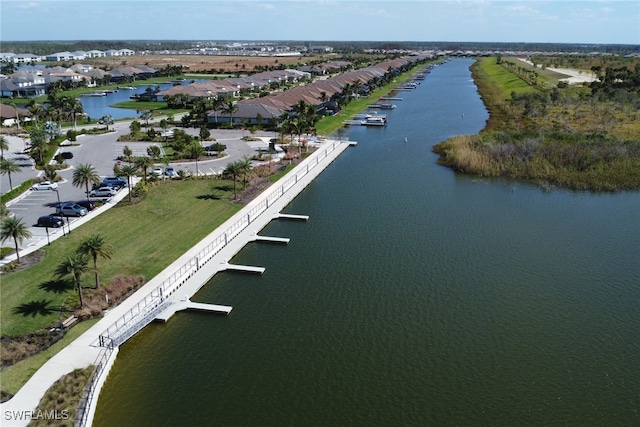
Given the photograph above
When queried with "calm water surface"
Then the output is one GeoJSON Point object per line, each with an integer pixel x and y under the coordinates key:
{"type": "Point", "coordinates": [412, 296]}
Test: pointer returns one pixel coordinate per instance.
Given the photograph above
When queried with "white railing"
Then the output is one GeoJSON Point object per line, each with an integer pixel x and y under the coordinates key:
{"type": "Point", "coordinates": [153, 303]}
{"type": "Point", "coordinates": [157, 297]}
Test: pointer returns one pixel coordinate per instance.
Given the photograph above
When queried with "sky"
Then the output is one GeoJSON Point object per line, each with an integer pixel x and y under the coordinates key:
{"type": "Point", "coordinates": [529, 21]}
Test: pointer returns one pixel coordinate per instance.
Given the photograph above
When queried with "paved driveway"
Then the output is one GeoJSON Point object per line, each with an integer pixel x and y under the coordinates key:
{"type": "Point", "coordinates": [102, 151]}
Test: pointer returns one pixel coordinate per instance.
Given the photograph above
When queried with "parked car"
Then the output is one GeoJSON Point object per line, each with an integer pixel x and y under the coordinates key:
{"type": "Point", "coordinates": [157, 171]}
{"type": "Point", "coordinates": [115, 179]}
{"type": "Point", "coordinates": [66, 155]}
{"type": "Point", "coordinates": [103, 192]}
{"type": "Point", "coordinates": [86, 204]}
{"type": "Point", "coordinates": [71, 209]}
{"type": "Point", "coordinates": [45, 185]}
{"type": "Point", "coordinates": [116, 182]}
{"type": "Point", "coordinates": [50, 221]}
{"type": "Point", "coordinates": [169, 171]}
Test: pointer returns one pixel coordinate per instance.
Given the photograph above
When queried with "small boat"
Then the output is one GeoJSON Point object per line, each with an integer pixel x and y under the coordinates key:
{"type": "Point", "coordinates": [94, 94]}
{"type": "Point", "coordinates": [386, 106]}
{"type": "Point", "coordinates": [126, 87]}
{"type": "Point", "coordinates": [374, 121]}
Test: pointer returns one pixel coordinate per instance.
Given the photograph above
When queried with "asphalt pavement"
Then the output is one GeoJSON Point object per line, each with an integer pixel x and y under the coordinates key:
{"type": "Point", "coordinates": [102, 151]}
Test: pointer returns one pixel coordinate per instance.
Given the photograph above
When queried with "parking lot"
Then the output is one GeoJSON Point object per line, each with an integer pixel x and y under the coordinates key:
{"type": "Point", "coordinates": [102, 151]}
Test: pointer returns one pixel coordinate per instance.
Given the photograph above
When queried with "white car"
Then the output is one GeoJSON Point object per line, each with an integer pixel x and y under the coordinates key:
{"type": "Point", "coordinates": [103, 192]}
{"type": "Point", "coordinates": [45, 185]}
{"type": "Point", "coordinates": [157, 171]}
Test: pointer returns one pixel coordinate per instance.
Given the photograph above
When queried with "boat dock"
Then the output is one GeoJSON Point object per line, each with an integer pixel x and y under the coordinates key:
{"type": "Point", "coordinates": [389, 98]}
{"type": "Point", "coordinates": [284, 240]}
{"type": "Point", "coordinates": [292, 216]}
{"type": "Point", "coordinates": [383, 106]}
{"type": "Point", "coordinates": [187, 304]}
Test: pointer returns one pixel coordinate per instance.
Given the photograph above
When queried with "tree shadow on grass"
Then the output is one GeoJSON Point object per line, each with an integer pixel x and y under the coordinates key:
{"type": "Point", "coordinates": [58, 286]}
{"type": "Point", "coordinates": [34, 308]}
{"type": "Point", "coordinates": [211, 196]}
{"type": "Point", "coordinates": [224, 187]}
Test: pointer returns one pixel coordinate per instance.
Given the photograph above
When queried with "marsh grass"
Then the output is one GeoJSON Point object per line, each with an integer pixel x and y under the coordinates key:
{"type": "Point", "coordinates": [62, 399]}
{"type": "Point", "coordinates": [13, 377]}
{"type": "Point", "coordinates": [563, 137]}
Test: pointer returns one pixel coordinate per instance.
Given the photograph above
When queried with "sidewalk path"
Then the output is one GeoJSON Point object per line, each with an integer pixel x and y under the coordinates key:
{"type": "Point", "coordinates": [84, 350]}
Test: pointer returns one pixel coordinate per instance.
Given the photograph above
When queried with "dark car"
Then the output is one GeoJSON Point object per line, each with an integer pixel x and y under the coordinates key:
{"type": "Point", "coordinates": [50, 221]}
{"type": "Point", "coordinates": [66, 155]}
{"type": "Point", "coordinates": [114, 181]}
{"type": "Point", "coordinates": [86, 204]}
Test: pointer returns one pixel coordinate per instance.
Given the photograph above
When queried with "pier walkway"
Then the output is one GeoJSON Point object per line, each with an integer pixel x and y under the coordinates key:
{"type": "Point", "coordinates": [162, 295]}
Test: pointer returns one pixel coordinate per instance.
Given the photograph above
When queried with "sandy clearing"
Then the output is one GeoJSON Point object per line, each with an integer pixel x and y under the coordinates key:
{"type": "Point", "coordinates": [576, 76]}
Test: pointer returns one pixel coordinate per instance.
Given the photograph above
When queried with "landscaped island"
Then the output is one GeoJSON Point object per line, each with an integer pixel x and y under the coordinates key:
{"type": "Point", "coordinates": [584, 137]}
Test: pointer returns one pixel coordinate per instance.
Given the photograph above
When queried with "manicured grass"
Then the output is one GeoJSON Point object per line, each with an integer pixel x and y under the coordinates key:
{"type": "Point", "coordinates": [273, 178]}
{"type": "Point", "coordinates": [13, 377]}
{"type": "Point", "coordinates": [504, 80]}
{"type": "Point", "coordinates": [144, 238]}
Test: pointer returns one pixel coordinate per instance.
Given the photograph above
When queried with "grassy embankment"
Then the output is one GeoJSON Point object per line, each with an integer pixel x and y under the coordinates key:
{"type": "Point", "coordinates": [328, 125]}
{"type": "Point", "coordinates": [144, 240]}
{"type": "Point", "coordinates": [558, 137]}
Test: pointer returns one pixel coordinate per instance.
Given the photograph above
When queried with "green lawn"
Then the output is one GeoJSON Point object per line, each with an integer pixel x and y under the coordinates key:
{"type": "Point", "coordinates": [503, 79]}
{"type": "Point", "coordinates": [145, 238]}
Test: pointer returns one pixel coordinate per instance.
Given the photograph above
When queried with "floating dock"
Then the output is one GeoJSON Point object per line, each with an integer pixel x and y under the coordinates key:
{"type": "Point", "coordinates": [186, 304]}
{"type": "Point", "coordinates": [291, 216]}
{"type": "Point", "coordinates": [243, 268]}
{"type": "Point", "coordinates": [284, 240]}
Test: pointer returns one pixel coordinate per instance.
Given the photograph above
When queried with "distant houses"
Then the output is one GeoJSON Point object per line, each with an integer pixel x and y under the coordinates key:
{"type": "Point", "coordinates": [80, 55]}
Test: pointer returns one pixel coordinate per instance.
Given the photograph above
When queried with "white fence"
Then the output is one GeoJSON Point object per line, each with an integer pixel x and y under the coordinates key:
{"type": "Point", "coordinates": [140, 315]}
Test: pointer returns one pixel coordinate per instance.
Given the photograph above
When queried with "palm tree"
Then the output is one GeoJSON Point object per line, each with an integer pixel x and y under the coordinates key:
{"type": "Point", "coordinates": [76, 265]}
{"type": "Point", "coordinates": [85, 174]}
{"type": "Point", "coordinates": [233, 169]}
{"type": "Point", "coordinates": [13, 104]}
{"type": "Point", "coordinates": [95, 246]}
{"type": "Point", "coordinates": [195, 151]}
{"type": "Point", "coordinates": [229, 107]}
{"type": "Point", "coordinates": [72, 106]}
{"type": "Point", "coordinates": [245, 169]}
{"type": "Point", "coordinates": [216, 104]}
{"type": "Point", "coordinates": [39, 144]}
{"type": "Point", "coordinates": [36, 110]}
{"type": "Point", "coordinates": [4, 145]}
{"type": "Point", "coordinates": [7, 167]}
{"type": "Point", "coordinates": [129, 171]}
{"type": "Point", "coordinates": [144, 163]}
{"type": "Point", "coordinates": [16, 229]}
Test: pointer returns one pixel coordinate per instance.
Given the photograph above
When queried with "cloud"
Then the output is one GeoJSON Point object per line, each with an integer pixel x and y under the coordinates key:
{"type": "Point", "coordinates": [29, 5]}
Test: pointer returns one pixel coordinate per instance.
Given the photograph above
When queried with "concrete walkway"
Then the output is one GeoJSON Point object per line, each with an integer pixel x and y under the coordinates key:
{"type": "Point", "coordinates": [84, 351]}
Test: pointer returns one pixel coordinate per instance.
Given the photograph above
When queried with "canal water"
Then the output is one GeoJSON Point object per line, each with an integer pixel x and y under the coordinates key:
{"type": "Point", "coordinates": [97, 106]}
{"type": "Point", "coordinates": [412, 296]}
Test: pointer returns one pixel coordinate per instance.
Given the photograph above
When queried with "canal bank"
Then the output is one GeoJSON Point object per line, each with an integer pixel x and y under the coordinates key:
{"type": "Point", "coordinates": [92, 347]}
{"type": "Point", "coordinates": [412, 296]}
